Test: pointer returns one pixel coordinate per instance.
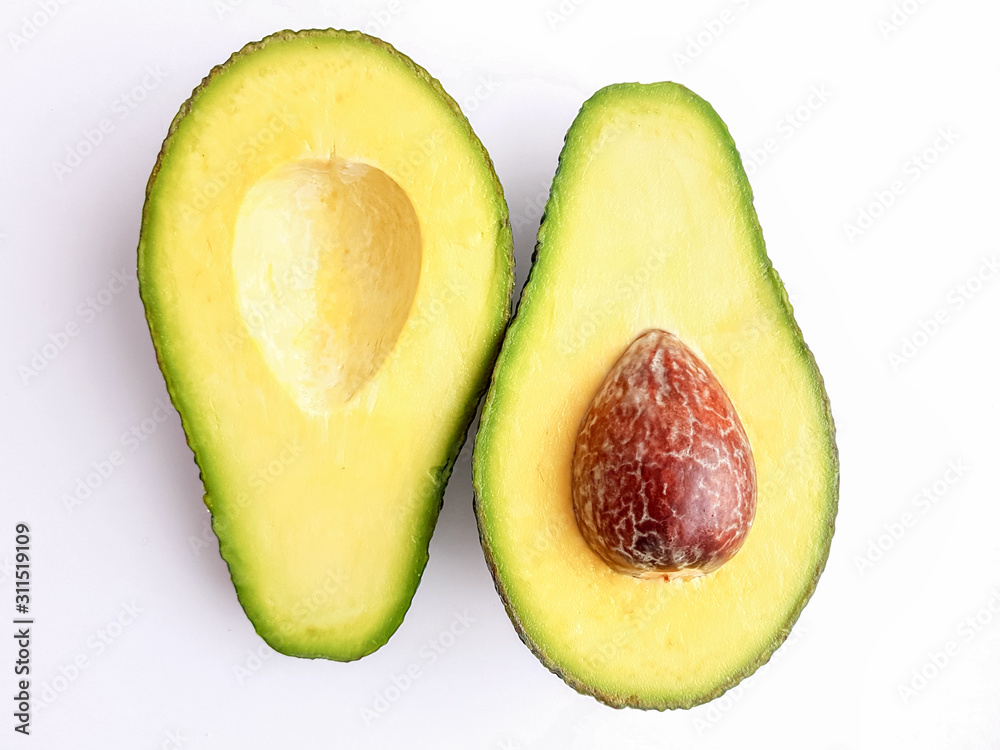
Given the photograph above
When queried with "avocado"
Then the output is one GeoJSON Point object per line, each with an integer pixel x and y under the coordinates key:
{"type": "Point", "coordinates": [325, 262]}
{"type": "Point", "coordinates": [650, 262]}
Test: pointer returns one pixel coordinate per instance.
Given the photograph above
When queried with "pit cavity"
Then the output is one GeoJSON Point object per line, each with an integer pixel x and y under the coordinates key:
{"type": "Point", "coordinates": [326, 258]}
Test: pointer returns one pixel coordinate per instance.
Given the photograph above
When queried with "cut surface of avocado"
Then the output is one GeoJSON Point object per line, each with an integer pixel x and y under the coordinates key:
{"type": "Point", "coordinates": [650, 224]}
{"type": "Point", "coordinates": [325, 263]}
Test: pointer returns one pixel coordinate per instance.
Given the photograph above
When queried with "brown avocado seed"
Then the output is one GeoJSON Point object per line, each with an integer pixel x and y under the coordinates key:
{"type": "Point", "coordinates": [663, 480]}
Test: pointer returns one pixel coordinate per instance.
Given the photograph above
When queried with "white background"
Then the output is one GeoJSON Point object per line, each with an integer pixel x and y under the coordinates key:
{"type": "Point", "coordinates": [188, 670]}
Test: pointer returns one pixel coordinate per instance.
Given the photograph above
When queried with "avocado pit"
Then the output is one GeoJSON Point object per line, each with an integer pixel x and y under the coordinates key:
{"type": "Point", "coordinates": [663, 478]}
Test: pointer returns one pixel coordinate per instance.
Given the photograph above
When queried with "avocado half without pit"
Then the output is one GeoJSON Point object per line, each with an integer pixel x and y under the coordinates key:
{"type": "Point", "coordinates": [655, 469]}
{"type": "Point", "coordinates": [326, 264]}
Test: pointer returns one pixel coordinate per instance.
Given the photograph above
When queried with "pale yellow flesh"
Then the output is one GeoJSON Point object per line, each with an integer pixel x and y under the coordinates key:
{"type": "Point", "coordinates": [646, 229]}
{"type": "Point", "coordinates": [321, 426]}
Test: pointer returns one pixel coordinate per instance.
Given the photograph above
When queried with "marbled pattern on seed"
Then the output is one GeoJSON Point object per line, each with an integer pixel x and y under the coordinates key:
{"type": "Point", "coordinates": [663, 477]}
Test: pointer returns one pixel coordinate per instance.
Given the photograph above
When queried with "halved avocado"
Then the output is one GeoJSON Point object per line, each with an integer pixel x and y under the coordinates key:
{"type": "Point", "coordinates": [650, 225]}
{"type": "Point", "coordinates": [326, 265]}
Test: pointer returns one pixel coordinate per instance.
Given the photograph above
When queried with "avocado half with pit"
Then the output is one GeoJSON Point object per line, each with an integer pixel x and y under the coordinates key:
{"type": "Point", "coordinates": [326, 265]}
{"type": "Point", "coordinates": [655, 469]}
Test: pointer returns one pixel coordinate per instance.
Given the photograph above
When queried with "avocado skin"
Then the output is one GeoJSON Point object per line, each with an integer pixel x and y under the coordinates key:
{"type": "Point", "coordinates": [633, 701]}
{"type": "Point", "coordinates": [504, 245]}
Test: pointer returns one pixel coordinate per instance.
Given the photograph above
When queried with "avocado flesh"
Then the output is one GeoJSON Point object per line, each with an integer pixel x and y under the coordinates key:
{"type": "Point", "coordinates": [650, 224]}
{"type": "Point", "coordinates": [326, 264]}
